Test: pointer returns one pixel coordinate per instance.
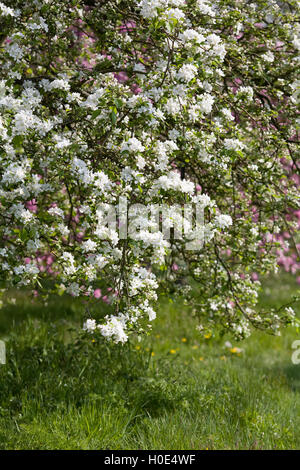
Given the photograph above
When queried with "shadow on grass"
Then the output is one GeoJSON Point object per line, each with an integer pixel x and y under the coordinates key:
{"type": "Point", "coordinates": [13, 315]}
{"type": "Point", "coordinates": [292, 374]}
{"type": "Point", "coordinates": [44, 373]}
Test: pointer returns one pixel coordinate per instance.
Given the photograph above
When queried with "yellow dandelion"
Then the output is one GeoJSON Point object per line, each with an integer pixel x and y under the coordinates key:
{"type": "Point", "coordinates": [172, 351]}
{"type": "Point", "coordinates": [184, 340]}
{"type": "Point", "coordinates": [153, 353]}
{"type": "Point", "coordinates": [201, 358]}
{"type": "Point", "coordinates": [138, 347]}
{"type": "Point", "coordinates": [207, 336]}
{"type": "Point", "coordinates": [235, 350]}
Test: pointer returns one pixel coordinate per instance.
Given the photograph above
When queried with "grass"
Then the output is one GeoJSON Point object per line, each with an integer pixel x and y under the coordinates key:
{"type": "Point", "coordinates": [171, 391]}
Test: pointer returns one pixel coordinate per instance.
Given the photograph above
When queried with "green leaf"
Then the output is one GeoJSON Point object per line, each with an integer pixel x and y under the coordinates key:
{"type": "Point", "coordinates": [17, 141]}
{"type": "Point", "coordinates": [96, 113]}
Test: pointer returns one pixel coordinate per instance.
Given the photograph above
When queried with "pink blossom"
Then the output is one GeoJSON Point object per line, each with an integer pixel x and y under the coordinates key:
{"type": "Point", "coordinates": [97, 293]}
{"type": "Point", "coordinates": [31, 205]}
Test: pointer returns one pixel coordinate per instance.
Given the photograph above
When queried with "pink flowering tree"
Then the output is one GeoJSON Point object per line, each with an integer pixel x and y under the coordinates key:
{"type": "Point", "coordinates": [119, 120]}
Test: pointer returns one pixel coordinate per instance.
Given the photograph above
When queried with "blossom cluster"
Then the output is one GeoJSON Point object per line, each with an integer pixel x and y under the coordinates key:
{"type": "Point", "coordinates": [160, 102]}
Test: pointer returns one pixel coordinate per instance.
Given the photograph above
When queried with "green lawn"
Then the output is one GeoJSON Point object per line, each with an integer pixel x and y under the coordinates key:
{"type": "Point", "coordinates": [171, 391]}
